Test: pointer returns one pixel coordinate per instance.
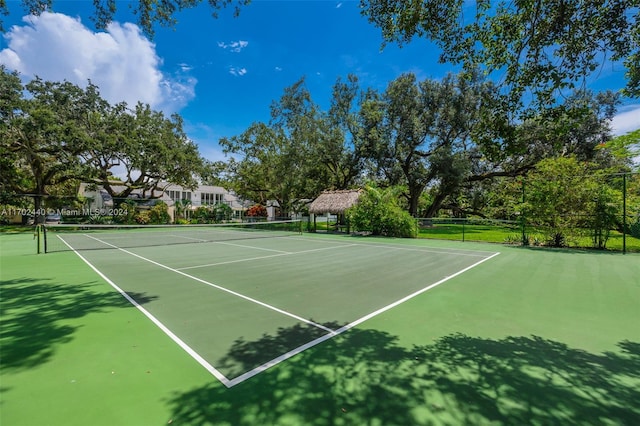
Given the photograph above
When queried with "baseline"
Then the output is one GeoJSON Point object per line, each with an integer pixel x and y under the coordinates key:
{"type": "Point", "coordinates": [251, 373]}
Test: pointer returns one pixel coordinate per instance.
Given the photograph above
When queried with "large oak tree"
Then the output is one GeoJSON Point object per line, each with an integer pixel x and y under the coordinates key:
{"type": "Point", "coordinates": [54, 133]}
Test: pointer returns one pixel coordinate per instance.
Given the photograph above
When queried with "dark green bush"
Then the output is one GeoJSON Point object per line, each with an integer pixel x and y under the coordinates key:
{"type": "Point", "coordinates": [379, 213]}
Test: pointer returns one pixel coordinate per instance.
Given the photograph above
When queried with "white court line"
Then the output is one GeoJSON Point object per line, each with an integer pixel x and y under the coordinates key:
{"type": "Point", "coordinates": [251, 247]}
{"type": "Point", "coordinates": [261, 257]}
{"type": "Point", "coordinates": [255, 371]}
{"type": "Point", "coordinates": [470, 253]}
{"type": "Point", "coordinates": [200, 240]}
{"type": "Point", "coordinates": [211, 369]}
{"type": "Point", "coordinates": [206, 265]}
{"type": "Point", "coordinates": [249, 374]}
{"type": "Point", "coordinates": [235, 293]}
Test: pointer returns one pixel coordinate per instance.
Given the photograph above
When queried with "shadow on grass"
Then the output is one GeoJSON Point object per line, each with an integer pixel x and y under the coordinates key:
{"type": "Point", "coordinates": [34, 312]}
{"type": "Point", "coordinates": [366, 377]}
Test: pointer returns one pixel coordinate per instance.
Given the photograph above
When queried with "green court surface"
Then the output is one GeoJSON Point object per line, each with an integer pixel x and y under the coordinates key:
{"type": "Point", "coordinates": [318, 329]}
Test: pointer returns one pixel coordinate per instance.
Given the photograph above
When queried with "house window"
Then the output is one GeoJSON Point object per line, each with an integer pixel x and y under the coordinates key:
{"type": "Point", "coordinates": [207, 198]}
{"type": "Point", "coordinates": [179, 195]}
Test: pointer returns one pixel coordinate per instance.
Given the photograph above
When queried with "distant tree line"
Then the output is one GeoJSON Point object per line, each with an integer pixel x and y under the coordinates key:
{"type": "Point", "coordinates": [425, 136]}
{"type": "Point", "coordinates": [56, 134]}
{"type": "Point", "coordinates": [428, 140]}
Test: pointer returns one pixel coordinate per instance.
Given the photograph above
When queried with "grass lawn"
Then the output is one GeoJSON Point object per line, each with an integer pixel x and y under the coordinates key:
{"type": "Point", "coordinates": [533, 336]}
{"type": "Point", "coordinates": [513, 234]}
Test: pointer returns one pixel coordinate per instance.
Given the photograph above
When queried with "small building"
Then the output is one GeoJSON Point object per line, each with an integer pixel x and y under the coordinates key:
{"type": "Point", "coordinates": [334, 203]}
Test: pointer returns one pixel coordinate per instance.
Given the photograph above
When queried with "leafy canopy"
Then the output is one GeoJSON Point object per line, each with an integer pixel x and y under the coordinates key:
{"type": "Point", "coordinates": [149, 12]}
{"type": "Point", "coordinates": [536, 48]}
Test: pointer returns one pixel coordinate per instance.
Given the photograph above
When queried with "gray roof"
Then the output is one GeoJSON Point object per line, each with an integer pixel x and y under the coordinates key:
{"type": "Point", "coordinates": [334, 201]}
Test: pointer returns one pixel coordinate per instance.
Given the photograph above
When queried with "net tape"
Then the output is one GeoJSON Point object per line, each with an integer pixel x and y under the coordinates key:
{"type": "Point", "coordinates": [61, 237]}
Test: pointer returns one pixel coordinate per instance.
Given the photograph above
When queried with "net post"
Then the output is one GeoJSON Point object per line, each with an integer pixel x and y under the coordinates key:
{"type": "Point", "coordinates": [44, 234]}
{"type": "Point", "coordinates": [36, 236]}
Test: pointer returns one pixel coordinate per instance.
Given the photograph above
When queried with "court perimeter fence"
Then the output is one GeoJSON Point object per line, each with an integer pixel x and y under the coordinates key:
{"type": "Point", "coordinates": [581, 210]}
{"type": "Point", "coordinates": [521, 232]}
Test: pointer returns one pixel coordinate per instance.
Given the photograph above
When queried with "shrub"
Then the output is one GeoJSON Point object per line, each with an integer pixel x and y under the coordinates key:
{"type": "Point", "coordinates": [257, 210]}
{"type": "Point", "coordinates": [143, 217]}
{"type": "Point", "coordinates": [222, 212]}
{"type": "Point", "coordinates": [159, 214]}
{"type": "Point", "coordinates": [379, 212]}
{"type": "Point", "coordinates": [201, 215]}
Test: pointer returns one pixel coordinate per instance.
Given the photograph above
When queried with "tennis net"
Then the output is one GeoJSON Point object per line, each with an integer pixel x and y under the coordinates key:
{"type": "Point", "coordinates": [61, 237]}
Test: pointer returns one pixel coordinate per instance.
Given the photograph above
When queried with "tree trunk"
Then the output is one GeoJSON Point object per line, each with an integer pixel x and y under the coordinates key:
{"type": "Point", "coordinates": [436, 205]}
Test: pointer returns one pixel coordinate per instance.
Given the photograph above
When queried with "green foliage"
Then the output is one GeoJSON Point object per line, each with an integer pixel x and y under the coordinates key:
{"type": "Point", "coordinates": [212, 214]}
{"type": "Point", "coordinates": [625, 147]}
{"type": "Point", "coordinates": [605, 212]}
{"type": "Point", "coordinates": [129, 208]}
{"type": "Point", "coordinates": [634, 229]}
{"type": "Point", "coordinates": [201, 215]}
{"type": "Point", "coordinates": [222, 212]}
{"type": "Point", "coordinates": [44, 132]}
{"type": "Point", "coordinates": [182, 210]}
{"type": "Point", "coordinates": [537, 48]}
{"type": "Point", "coordinates": [416, 134]}
{"type": "Point", "coordinates": [378, 212]}
{"type": "Point", "coordinates": [148, 12]}
{"type": "Point", "coordinates": [159, 214]}
{"type": "Point", "coordinates": [150, 147]}
{"type": "Point", "coordinates": [564, 197]}
{"type": "Point", "coordinates": [143, 217]}
{"type": "Point", "coordinates": [55, 134]}
{"type": "Point", "coordinates": [278, 160]}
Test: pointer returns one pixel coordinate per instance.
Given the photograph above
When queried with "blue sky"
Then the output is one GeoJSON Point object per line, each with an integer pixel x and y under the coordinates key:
{"type": "Point", "coordinates": [222, 74]}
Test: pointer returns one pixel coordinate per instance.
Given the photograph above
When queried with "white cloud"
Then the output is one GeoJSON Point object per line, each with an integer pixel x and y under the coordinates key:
{"type": "Point", "coordinates": [278, 69]}
{"type": "Point", "coordinates": [233, 46]}
{"type": "Point", "coordinates": [627, 120]}
{"type": "Point", "coordinates": [238, 72]}
{"type": "Point", "coordinates": [339, 5]}
{"type": "Point", "coordinates": [121, 62]}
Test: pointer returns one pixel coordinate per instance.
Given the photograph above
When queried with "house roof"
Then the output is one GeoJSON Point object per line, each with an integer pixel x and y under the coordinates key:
{"type": "Point", "coordinates": [334, 201]}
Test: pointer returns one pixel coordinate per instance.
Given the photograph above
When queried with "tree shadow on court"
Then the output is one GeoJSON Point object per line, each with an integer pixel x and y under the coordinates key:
{"type": "Point", "coordinates": [35, 316]}
{"type": "Point", "coordinates": [366, 377]}
{"type": "Point", "coordinates": [245, 355]}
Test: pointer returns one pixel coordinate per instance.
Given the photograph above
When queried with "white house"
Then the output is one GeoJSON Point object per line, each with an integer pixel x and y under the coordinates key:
{"type": "Point", "coordinates": [206, 195]}
{"type": "Point", "coordinates": [203, 195]}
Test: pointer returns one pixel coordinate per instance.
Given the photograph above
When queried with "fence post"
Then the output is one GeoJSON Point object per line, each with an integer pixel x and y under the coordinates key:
{"type": "Point", "coordinates": [522, 218]}
{"type": "Point", "coordinates": [464, 220]}
{"type": "Point", "coordinates": [624, 213]}
{"type": "Point", "coordinates": [36, 235]}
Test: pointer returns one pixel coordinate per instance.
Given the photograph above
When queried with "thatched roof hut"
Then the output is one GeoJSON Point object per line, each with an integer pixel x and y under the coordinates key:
{"type": "Point", "coordinates": [334, 202]}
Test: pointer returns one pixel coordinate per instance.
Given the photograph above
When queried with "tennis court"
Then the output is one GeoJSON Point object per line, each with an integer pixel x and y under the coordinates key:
{"type": "Point", "coordinates": [529, 336]}
{"type": "Point", "coordinates": [209, 289]}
